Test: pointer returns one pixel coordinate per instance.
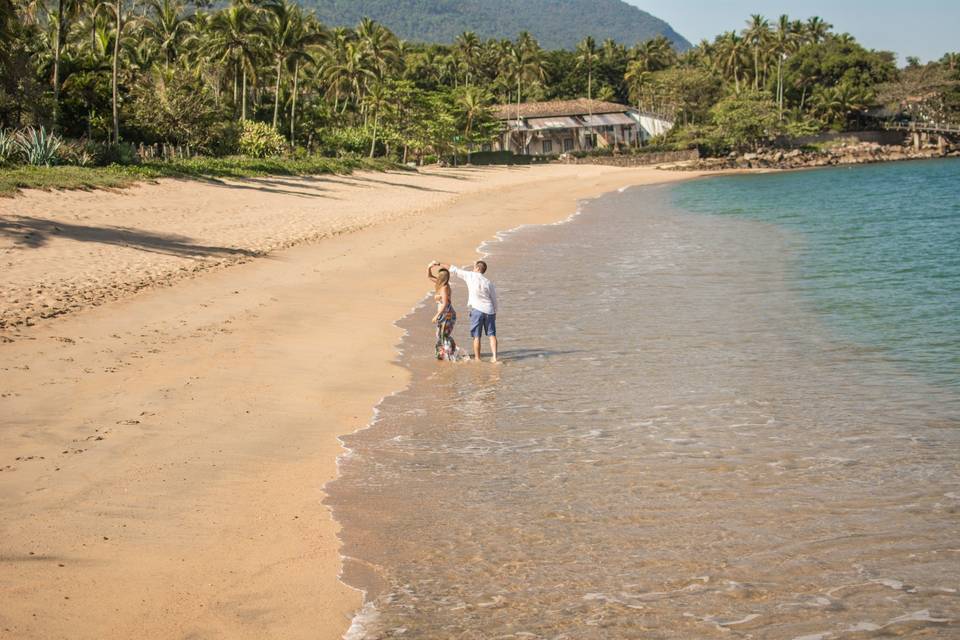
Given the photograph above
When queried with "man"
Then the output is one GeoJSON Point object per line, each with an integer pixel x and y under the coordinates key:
{"type": "Point", "coordinates": [482, 300]}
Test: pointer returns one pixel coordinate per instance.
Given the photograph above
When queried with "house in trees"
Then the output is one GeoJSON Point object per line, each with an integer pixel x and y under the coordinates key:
{"type": "Point", "coordinates": [562, 126]}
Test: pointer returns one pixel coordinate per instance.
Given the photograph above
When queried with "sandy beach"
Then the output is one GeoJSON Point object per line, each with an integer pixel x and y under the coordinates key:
{"type": "Point", "coordinates": [178, 360]}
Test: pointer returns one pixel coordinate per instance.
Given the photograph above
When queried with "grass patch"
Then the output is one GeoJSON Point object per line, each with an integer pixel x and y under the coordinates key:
{"type": "Point", "coordinates": [117, 176]}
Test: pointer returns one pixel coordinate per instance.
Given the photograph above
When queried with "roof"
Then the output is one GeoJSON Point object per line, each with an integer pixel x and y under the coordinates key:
{"type": "Point", "coordinates": [606, 119]}
{"type": "Point", "coordinates": [554, 108]}
{"type": "Point", "coordinates": [556, 122]}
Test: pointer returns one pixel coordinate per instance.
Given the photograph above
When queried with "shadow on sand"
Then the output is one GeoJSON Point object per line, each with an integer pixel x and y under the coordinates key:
{"type": "Point", "coordinates": [31, 232]}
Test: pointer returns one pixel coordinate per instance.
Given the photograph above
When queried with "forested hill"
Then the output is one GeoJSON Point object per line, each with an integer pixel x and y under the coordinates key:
{"type": "Point", "coordinates": [557, 24]}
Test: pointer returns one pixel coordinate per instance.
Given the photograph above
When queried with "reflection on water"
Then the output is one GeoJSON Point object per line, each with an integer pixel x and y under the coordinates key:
{"type": "Point", "coordinates": [674, 447]}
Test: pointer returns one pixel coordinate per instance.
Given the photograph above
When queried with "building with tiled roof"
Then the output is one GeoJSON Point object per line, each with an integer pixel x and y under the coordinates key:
{"type": "Point", "coordinates": [563, 126]}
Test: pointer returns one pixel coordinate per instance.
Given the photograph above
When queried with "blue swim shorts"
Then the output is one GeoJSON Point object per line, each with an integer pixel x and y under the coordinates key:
{"type": "Point", "coordinates": [482, 323]}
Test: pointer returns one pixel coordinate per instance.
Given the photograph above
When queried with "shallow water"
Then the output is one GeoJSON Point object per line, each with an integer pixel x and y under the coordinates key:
{"type": "Point", "coordinates": [680, 444]}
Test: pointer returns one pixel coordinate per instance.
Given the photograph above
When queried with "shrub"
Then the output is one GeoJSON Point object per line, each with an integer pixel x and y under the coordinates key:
{"type": "Point", "coordinates": [78, 153]}
{"type": "Point", "coordinates": [9, 150]}
{"type": "Point", "coordinates": [746, 120]}
{"type": "Point", "coordinates": [345, 141]}
{"type": "Point", "coordinates": [122, 153]}
{"type": "Point", "coordinates": [39, 148]}
{"type": "Point", "coordinates": [260, 140]}
{"type": "Point", "coordinates": [174, 106]}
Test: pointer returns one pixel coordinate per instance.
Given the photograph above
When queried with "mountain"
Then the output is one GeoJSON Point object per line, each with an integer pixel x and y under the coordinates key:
{"type": "Point", "coordinates": [556, 24]}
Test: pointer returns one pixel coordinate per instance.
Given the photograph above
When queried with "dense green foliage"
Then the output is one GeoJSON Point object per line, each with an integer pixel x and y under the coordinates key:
{"type": "Point", "coordinates": [101, 75]}
{"type": "Point", "coordinates": [557, 24]}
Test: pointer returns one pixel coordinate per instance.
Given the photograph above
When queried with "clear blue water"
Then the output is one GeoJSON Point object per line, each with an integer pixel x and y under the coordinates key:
{"type": "Point", "coordinates": [877, 250]}
{"type": "Point", "coordinates": [725, 409]}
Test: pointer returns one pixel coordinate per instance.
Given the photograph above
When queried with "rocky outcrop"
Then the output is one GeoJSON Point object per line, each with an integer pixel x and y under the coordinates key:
{"type": "Point", "coordinates": [857, 153]}
{"type": "Point", "coordinates": [633, 159]}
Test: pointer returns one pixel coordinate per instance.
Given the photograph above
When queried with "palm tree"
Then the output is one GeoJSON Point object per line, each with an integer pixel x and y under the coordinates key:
{"type": "Point", "coordinates": [347, 71]}
{"type": "Point", "coordinates": [654, 54]}
{"type": "Point", "coordinates": [731, 48]}
{"type": "Point", "coordinates": [287, 40]}
{"type": "Point", "coordinates": [473, 101]}
{"type": "Point", "coordinates": [638, 80]}
{"type": "Point", "coordinates": [612, 51]}
{"type": "Point", "coordinates": [167, 28]}
{"type": "Point", "coordinates": [380, 45]}
{"type": "Point", "coordinates": [757, 34]}
{"type": "Point", "coordinates": [816, 30]}
{"type": "Point", "coordinates": [525, 65]}
{"type": "Point", "coordinates": [782, 44]}
{"type": "Point", "coordinates": [120, 21]}
{"type": "Point", "coordinates": [835, 104]}
{"type": "Point", "coordinates": [66, 11]}
{"type": "Point", "coordinates": [314, 34]}
{"type": "Point", "coordinates": [587, 57]}
{"type": "Point", "coordinates": [333, 67]}
{"type": "Point", "coordinates": [376, 94]}
{"type": "Point", "coordinates": [234, 40]}
{"type": "Point", "coordinates": [469, 49]}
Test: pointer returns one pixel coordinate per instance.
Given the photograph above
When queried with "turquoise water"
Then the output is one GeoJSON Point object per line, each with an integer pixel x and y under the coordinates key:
{"type": "Point", "coordinates": [877, 250]}
{"type": "Point", "coordinates": [725, 409]}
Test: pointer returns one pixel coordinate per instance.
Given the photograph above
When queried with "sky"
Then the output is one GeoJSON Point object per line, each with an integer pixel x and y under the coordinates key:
{"type": "Point", "coordinates": [923, 28]}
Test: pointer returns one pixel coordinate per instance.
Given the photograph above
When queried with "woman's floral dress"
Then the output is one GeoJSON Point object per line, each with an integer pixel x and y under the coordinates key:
{"type": "Point", "coordinates": [446, 346]}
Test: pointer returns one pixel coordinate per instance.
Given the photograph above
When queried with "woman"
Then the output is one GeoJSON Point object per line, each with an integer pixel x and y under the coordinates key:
{"type": "Point", "coordinates": [445, 317]}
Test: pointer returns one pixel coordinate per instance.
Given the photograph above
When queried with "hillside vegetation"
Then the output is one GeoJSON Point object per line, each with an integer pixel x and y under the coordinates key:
{"type": "Point", "coordinates": [279, 90]}
{"type": "Point", "coordinates": [556, 24]}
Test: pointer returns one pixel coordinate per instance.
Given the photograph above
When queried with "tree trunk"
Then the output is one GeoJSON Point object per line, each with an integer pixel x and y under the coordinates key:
{"type": "Point", "coordinates": [116, 68]}
{"type": "Point", "coordinates": [276, 97]}
{"type": "Point", "coordinates": [243, 98]}
{"type": "Point", "coordinates": [373, 141]}
{"type": "Point", "coordinates": [293, 107]}
{"type": "Point", "coordinates": [236, 88]}
{"type": "Point", "coordinates": [57, 52]}
{"type": "Point", "coordinates": [780, 85]}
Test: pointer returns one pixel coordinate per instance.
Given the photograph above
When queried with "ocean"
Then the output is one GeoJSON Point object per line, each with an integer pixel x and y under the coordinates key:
{"type": "Point", "coordinates": [728, 408]}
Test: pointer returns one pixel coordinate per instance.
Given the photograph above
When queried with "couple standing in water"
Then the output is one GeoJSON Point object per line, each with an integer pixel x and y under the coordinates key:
{"type": "Point", "coordinates": [482, 301]}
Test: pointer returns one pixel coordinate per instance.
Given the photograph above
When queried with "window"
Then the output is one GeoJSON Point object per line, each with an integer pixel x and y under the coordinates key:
{"type": "Point", "coordinates": [568, 144]}
{"type": "Point", "coordinates": [547, 146]}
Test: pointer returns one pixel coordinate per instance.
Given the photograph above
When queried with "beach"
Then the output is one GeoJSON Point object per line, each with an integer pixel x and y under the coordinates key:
{"type": "Point", "coordinates": [178, 361]}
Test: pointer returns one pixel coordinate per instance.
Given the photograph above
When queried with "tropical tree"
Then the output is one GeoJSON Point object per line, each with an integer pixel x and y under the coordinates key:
{"type": "Point", "coordinates": [234, 40]}
{"type": "Point", "coordinates": [816, 30]}
{"type": "Point", "coordinates": [166, 27]}
{"type": "Point", "coordinates": [288, 39]}
{"type": "Point", "coordinates": [67, 10]}
{"type": "Point", "coordinates": [745, 121]}
{"type": "Point", "coordinates": [469, 50]}
{"type": "Point", "coordinates": [524, 65]}
{"type": "Point", "coordinates": [834, 105]}
{"type": "Point", "coordinates": [654, 54]}
{"type": "Point", "coordinates": [587, 58]}
{"type": "Point", "coordinates": [757, 35]}
{"type": "Point", "coordinates": [783, 42]}
{"type": "Point", "coordinates": [730, 50]}
{"type": "Point", "coordinates": [121, 22]}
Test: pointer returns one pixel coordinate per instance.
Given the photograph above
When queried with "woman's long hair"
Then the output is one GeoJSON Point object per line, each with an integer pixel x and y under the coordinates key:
{"type": "Point", "coordinates": [442, 279]}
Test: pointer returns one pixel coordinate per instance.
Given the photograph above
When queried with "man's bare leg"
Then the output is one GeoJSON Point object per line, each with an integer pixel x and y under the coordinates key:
{"type": "Point", "coordinates": [476, 348]}
{"type": "Point", "coordinates": [493, 347]}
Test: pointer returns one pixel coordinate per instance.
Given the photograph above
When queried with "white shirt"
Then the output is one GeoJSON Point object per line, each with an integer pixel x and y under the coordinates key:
{"type": "Point", "coordinates": [482, 293]}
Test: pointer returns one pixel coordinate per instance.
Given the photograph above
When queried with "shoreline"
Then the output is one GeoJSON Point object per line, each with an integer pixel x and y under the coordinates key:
{"type": "Point", "coordinates": [167, 450]}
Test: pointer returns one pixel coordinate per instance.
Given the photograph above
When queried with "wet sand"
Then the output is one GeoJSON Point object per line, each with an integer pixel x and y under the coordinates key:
{"type": "Point", "coordinates": [163, 454]}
